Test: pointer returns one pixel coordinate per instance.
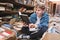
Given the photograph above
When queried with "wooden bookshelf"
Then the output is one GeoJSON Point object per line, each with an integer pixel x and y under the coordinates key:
{"type": "Point", "coordinates": [16, 6]}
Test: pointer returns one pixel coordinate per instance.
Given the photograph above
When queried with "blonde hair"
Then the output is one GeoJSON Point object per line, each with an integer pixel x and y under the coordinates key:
{"type": "Point", "coordinates": [40, 5]}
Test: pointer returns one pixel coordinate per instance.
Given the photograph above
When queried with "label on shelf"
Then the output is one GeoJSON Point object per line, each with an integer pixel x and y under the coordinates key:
{"type": "Point", "coordinates": [1, 29]}
{"type": "Point", "coordinates": [1, 36]}
{"type": "Point", "coordinates": [8, 31]}
{"type": "Point", "coordinates": [2, 8]}
{"type": "Point", "coordinates": [5, 34]}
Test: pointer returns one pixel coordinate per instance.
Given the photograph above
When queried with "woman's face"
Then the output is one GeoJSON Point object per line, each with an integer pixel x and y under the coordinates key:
{"type": "Point", "coordinates": [39, 11]}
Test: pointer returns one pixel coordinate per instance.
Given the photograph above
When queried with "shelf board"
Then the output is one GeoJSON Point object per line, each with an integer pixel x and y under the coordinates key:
{"type": "Point", "coordinates": [5, 5]}
{"type": "Point", "coordinates": [8, 12]}
{"type": "Point", "coordinates": [23, 5]}
{"type": "Point", "coordinates": [16, 4]}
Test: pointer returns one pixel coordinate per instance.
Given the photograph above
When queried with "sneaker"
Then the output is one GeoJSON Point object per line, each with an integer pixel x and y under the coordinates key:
{"type": "Point", "coordinates": [23, 36]}
{"type": "Point", "coordinates": [20, 36]}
